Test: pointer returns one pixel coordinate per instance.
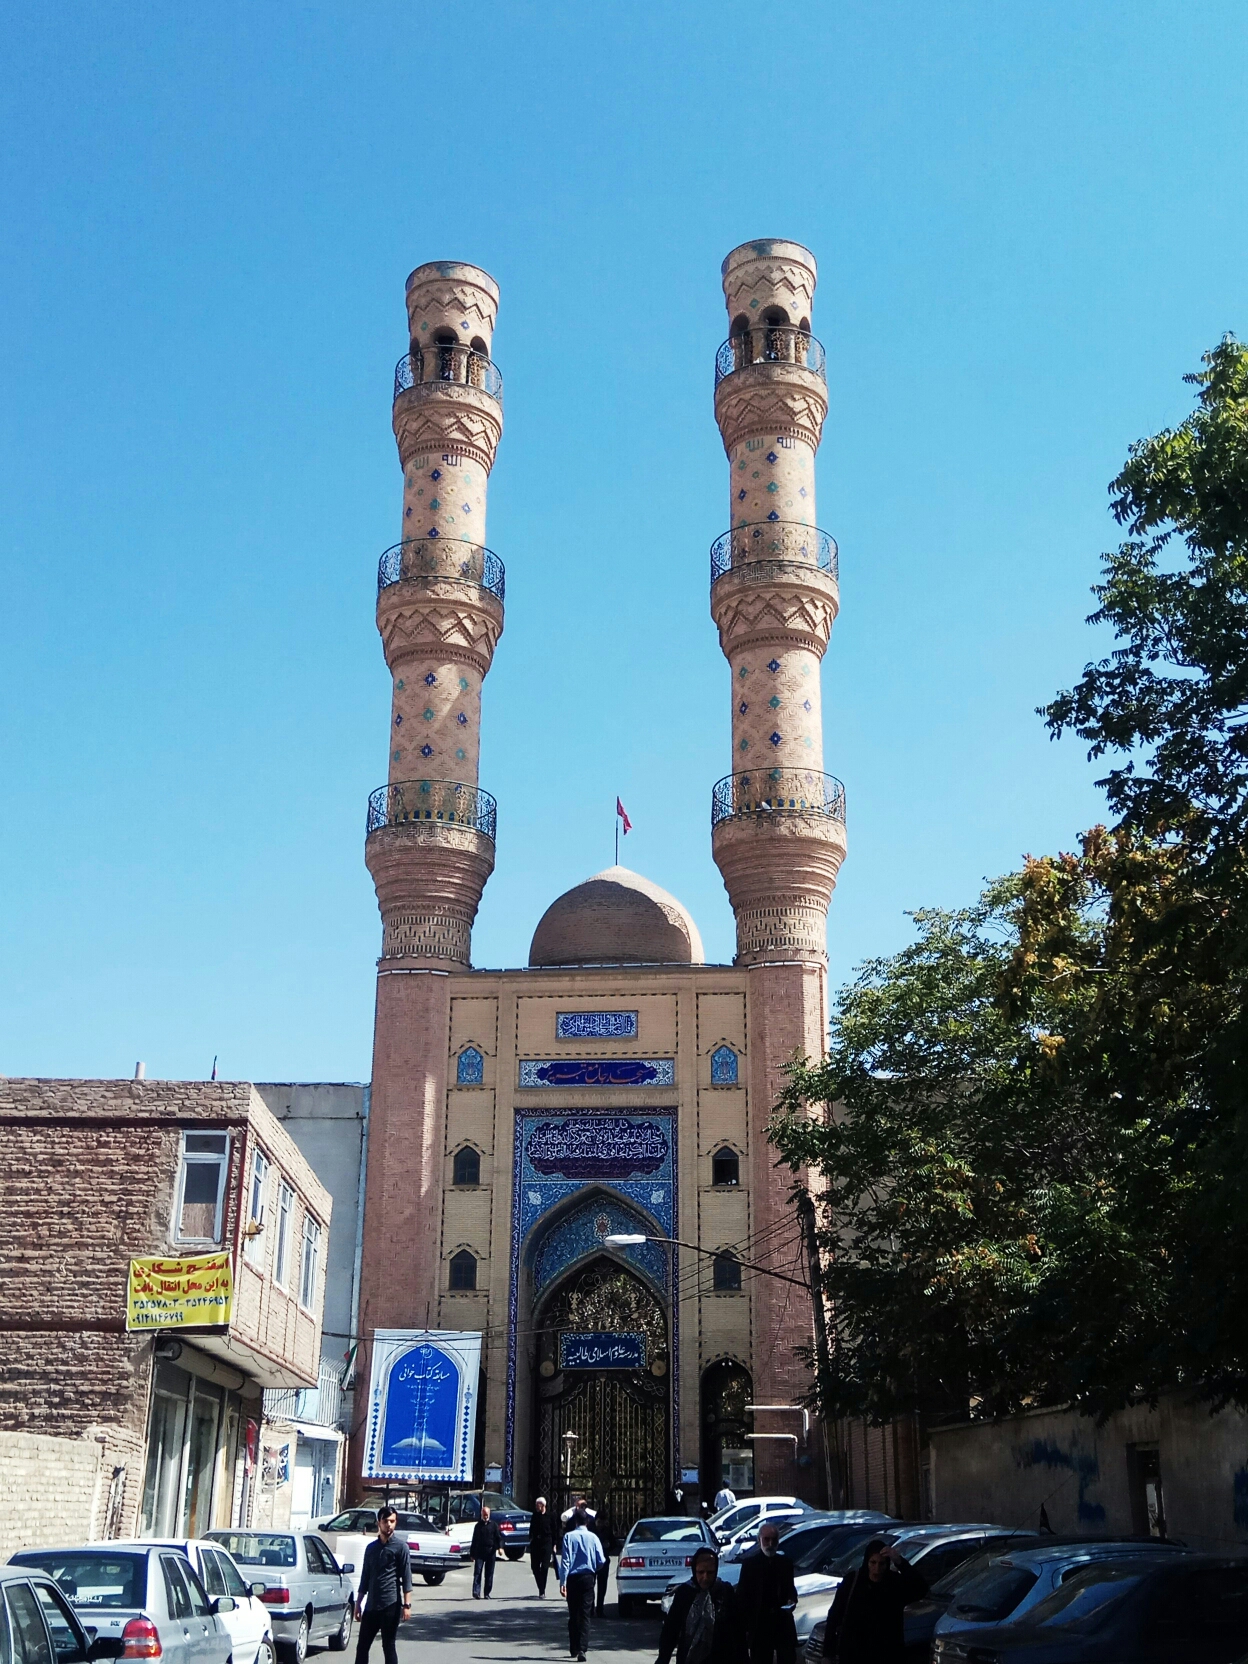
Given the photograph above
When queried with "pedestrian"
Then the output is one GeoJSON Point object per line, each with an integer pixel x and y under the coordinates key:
{"type": "Point", "coordinates": [580, 1502]}
{"type": "Point", "coordinates": [767, 1596]}
{"type": "Point", "coordinates": [601, 1529]}
{"type": "Point", "coordinates": [725, 1497]}
{"type": "Point", "coordinates": [580, 1555]}
{"type": "Point", "coordinates": [486, 1545]}
{"type": "Point", "coordinates": [704, 1624]}
{"type": "Point", "coordinates": [866, 1621]}
{"type": "Point", "coordinates": [385, 1588]}
{"type": "Point", "coordinates": [541, 1545]}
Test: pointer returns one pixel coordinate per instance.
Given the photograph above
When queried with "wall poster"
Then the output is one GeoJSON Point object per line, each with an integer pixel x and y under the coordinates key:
{"type": "Point", "coordinates": [422, 1405]}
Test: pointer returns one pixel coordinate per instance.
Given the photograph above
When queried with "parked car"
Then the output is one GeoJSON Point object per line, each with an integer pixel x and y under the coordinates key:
{"type": "Point", "coordinates": [249, 1624]}
{"type": "Point", "coordinates": [1012, 1583]}
{"type": "Point", "coordinates": [730, 1520]}
{"type": "Point", "coordinates": [811, 1541]}
{"type": "Point", "coordinates": [1152, 1609]}
{"type": "Point", "coordinates": [349, 1534]}
{"type": "Point", "coordinates": [144, 1600]}
{"type": "Point", "coordinates": [37, 1623]}
{"type": "Point", "coordinates": [653, 1550]}
{"type": "Point", "coordinates": [464, 1510]}
{"type": "Point", "coordinates": [310, 1597]}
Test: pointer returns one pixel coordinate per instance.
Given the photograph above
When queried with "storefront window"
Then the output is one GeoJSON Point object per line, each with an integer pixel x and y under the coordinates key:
{"type": "Point", "coordinates": [165, 1440]}
{"type": "Point", "coordinates": [189, 1479]}
{"type": "Point", "coordinates": [201, 1465]}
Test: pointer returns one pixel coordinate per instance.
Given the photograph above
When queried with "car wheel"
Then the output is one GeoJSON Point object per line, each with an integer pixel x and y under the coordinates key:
{"type": "Point", "coordinates": [514, 1553]}
{"type": "Point", "coordinates": [433, 1578]}
{"type": "Point", "coordinates": [340, 1639]}
{"type": "Point", "coordinates": [264, 1654]}
{"type": "Point", "coordinates": [298, 1645]}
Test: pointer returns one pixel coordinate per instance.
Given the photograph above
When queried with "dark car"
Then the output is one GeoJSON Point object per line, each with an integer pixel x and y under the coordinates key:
{"type": "Point", "coordinates": [37, 1623]}
{"type": "Point", "coordinates": [1192, 1609]}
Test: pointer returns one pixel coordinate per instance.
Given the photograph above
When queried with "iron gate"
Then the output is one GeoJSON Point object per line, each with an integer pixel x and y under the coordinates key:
{"type": "Point", "coordinates": [619, 1458]}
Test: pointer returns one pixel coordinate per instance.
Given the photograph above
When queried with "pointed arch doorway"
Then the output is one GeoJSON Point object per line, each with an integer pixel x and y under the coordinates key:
{"type": "Point", "coordinates": [619, 1416]}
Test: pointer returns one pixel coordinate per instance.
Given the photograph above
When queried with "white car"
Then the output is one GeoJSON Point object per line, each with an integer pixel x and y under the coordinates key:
{"type": "Point", "coordinates": [729, 1521]}
{"type": "Point", "coordinates": [251, 1632]}
{"type": "Point", "coordinates": [433, 1552]}
{"type": "Point", "coordinates": [654, 1551]}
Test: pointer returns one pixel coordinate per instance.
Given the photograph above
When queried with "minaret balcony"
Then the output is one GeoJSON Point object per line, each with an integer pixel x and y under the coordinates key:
{"type": "Point", "coordinates": [453, 362]}
{"type": "Point", "coordinates": [773, 549]}
{"type": "Point", "coordinates": [771, 344]}
{"type": "Point", "coordinates": [768, 793]}
{"type": "Point", "coordinates": [430, 560]}
{"type": "Point", "coordinates": [421, 802]}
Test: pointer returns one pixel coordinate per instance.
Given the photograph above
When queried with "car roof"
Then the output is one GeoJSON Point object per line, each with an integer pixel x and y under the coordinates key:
{"type": "Point", "coordinates": [87, 1548]}
{"type": "Point", "coordinates": [15, 1570]}
{"type": "Point", "coordinates": [1122, 1549]}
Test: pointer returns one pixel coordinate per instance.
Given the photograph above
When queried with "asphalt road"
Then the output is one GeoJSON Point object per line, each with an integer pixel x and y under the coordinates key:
{"type": "Point", "coordinates": [449, 1627]}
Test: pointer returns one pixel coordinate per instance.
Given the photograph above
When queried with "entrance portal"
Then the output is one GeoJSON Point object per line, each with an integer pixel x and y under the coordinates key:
{"type": "Point", "coordinates": [619, 1417]}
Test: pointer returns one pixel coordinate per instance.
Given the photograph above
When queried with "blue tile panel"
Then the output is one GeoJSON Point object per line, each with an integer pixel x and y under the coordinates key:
{"type": "Point", "coordinates": [724, 1067]}
{"type": "Point", "coordinates": [598, 1071]}
{"type": "Point", "coordinates": [470, 1068]}
{"type": "Point", "coordinates": [627, 1161]}
{"type": "Point", "coordinates": [596, 1025]}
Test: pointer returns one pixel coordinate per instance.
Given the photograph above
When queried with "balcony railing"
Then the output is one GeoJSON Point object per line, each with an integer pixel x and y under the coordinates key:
{"type": "Point", "coordinates": [442, 558]}
{"type": "Point", "coordinates": [451, 362]}
{"type": "Point", "coordinates": [771, 344]}
{"type": "Point", "coordinates": [404, 802]}
{"type": "Point", "coordinates": [777, 791]}
{"type": "Point", "coordinates": [774, 544]}
{"type": "Point", "coordinates": [321, 1404]}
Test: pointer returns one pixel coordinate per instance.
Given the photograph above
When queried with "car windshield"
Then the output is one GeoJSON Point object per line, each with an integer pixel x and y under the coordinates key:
{"type": "Point", "coordinates": [96, 1580]}
{"type": "Point", "coordinates": [952, 1581]}
{"type": "Point", "coordinates": [849, 1554]}
{"type": "Point", "coordinates": [258, 1548]}
{"type": "Point", "coordinates": [415, 1522]}
{"type": "Point", "coordinates": [994, 1594]}
{"type": "Point", "coordinates": [340, 1522]}
{"type": "Point", "coordinates": [666, 1531]}
{"type": "Point", "coordinates": [1086, 1601]}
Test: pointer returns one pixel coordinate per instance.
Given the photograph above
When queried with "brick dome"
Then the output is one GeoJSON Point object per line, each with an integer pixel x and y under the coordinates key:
{"type": "Point", "coordinates": [616, 918]}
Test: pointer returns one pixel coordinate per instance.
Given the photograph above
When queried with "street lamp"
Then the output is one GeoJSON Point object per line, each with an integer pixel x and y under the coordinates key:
{"type": "Point", "coordinates": [634, 1239]}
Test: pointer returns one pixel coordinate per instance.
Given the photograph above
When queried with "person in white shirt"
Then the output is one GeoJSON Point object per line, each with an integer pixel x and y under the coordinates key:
{"type": "Point", "coordinates": [724, 1498]}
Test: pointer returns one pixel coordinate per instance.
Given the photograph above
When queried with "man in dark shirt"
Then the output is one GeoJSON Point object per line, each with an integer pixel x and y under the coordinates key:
{"type": "Point", "coordinates": [766, 1597]}
{"type": "Point", "coordinates": [385, 1589]}
{"type": "Point", "coordinates": [487, 1543]}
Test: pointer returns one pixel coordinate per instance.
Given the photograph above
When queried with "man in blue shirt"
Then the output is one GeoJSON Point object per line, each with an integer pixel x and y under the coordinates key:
{"type": "Point", "coordinates": [580, 1555]}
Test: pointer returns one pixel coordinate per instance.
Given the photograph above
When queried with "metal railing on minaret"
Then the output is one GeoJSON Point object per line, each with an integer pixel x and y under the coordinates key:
{"type": "Point", "coordinates": [778, 821]}
{"type": "Point", "coordinates": [430, 832]}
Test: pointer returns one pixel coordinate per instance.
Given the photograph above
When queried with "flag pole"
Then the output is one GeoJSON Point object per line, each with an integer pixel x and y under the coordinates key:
{"type": "Point", "coordinates": [617, 840]}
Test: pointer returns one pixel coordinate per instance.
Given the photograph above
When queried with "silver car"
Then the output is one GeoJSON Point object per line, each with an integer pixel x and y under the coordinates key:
{"type": "Point", "coordinates": [310, 1597]}
{"type": "Point", "coordinates": [143, 1601]}
{"type": "Point", "coordinates": [653, 1551]}
{"type": "Point", "coordinates": [37, 1623]}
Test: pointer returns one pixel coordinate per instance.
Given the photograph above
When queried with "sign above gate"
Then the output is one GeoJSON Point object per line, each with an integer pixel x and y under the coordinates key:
{"type": "Point", "coordinates": [588, 1351]}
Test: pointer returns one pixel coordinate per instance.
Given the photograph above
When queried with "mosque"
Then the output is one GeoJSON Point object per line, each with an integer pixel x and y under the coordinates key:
{"type": "Point", "coordinates": [571, 1158]}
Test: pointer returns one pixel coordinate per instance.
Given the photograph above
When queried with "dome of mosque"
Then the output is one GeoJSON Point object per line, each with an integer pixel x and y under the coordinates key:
{"type": "Point", "coordinates": [616, 918]}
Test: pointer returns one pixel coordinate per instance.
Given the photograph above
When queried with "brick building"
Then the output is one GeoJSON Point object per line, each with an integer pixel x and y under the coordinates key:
{"type": "Point", "coordinates": [119, 1431]}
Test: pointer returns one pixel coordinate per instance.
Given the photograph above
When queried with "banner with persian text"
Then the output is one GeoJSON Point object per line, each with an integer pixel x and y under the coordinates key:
{"type": "Point", "coordinates": [194, 1292]}
{"type": "Point", "coordinates": [422, 1405]}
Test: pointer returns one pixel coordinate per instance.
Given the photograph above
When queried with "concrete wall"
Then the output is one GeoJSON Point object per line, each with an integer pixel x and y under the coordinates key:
{"type": "Point", "coordinates": [1081, 1473]}
{"type": "Point", "coordinates": [45, 1481]}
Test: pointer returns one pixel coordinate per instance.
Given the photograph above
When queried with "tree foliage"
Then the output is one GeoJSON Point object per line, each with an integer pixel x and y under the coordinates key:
{"type": "Point", "coordinates": [1028, 1139]}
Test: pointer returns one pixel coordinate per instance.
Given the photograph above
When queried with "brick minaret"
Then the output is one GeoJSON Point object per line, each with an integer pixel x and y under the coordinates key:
{"type": "Point", "coordinates": [430, 845]}
{"type": "Point", "coordinates": [778, 821]}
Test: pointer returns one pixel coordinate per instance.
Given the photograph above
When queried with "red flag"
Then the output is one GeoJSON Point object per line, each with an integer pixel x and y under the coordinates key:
{"type": "Point", "coordinates": [622, 812]}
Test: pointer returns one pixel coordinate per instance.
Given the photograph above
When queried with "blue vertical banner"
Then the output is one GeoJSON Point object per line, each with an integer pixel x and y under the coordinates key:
{"type": "Point", "coordinates": [422, 1405]}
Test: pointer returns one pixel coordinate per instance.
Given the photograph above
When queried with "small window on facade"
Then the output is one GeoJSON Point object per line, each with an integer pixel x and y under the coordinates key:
{"type": "Point", "coordinates": [725, 1166]}
{"type": "Point", "coordinates": [253, 1240]}
{"type": "Point", "coordinates": [470, 1070]}
{"type": "Point", "coordinates": [726, 1275]}
{"type": "Point", "coordinates": [467, 1166]}
{"type": "Point", "coordinates": [307, 1265]}
{"type": "Point", "coordinates": [201, 1185]}
{"type": "Point", "coordinates": [724, 1067]}
{"type": "Point", "coordinates": [285, 1224]}
{"type": "Point", "coordinates": [463, 1269]}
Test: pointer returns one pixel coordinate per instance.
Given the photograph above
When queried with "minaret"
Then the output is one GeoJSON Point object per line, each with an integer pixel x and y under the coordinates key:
{"type": "Point", "coordinates": [778, 821]}
{"type": "Point", "coordinates": [430, 842]}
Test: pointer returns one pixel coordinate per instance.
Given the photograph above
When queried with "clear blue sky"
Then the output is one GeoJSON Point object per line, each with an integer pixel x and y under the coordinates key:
{"type": "Point", "coordinates": [1030, 222]}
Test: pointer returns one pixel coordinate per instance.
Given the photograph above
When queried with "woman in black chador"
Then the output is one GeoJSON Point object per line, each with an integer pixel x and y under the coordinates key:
{"type": "Point", "coordinates": [866, 1623]}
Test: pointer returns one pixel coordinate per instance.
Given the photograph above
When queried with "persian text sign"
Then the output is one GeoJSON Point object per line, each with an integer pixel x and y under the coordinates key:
{"type": "Point", "coordinates": [596, 1147]}
{"type": "Point", "coordinates": [191, 1293]}
{"type": "Point", "coordinates": [598, 1351]}
{"type": "Point", "coordinates": [422, 1405]}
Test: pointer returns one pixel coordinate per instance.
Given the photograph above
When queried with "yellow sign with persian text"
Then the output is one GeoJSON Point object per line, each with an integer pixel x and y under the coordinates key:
{"type": "Point", "coordinates": [191, 1293]}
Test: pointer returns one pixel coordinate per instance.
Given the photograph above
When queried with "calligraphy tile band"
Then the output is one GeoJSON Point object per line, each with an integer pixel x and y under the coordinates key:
{"type": "Point", "coordinates": [596, 1025]}
{"type": "Point", "coordinates": [599, 1071]}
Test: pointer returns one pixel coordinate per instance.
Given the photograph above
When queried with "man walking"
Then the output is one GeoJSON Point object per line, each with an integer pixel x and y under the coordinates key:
{"type": "Point", "coordinates": [601, 1529]}
{"type": "Point", "coordinates": [487, 1544]}
{"type": "Point", "coordinates": [766, 1596]}
{"type": "Point", "coordinates": [385, 1589]}
{"type": "Point", "coordinates": [541, 1545]}
{"type": "Point", "coordinates": [580, 1555]}
{"type": "Point", "coordinates": [725, 1497]}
